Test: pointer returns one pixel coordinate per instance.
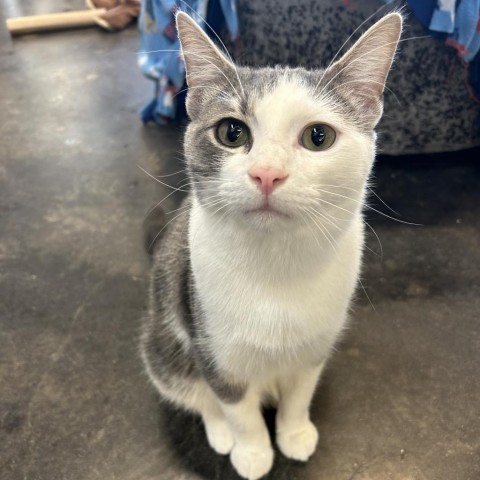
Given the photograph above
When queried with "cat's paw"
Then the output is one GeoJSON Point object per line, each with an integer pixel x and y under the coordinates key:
{"type": "Point", "coordinates": [298, 443]}
{"type": "Point", "coordinates": [219, 436]}
{"type": "Point", "coordinates": [252, 463]}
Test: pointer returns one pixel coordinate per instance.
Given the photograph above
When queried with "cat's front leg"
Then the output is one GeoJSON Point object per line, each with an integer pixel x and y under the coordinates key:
{"type": "Point", "coordinates": [252, 454]}
{"type": "Point", "coordinates": [218, 431]}
{"type": "Point", "coordinates": [296, 435]}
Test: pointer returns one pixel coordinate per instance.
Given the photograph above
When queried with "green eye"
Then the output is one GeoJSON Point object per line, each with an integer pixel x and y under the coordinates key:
{"type": "Point", "coordinates": [318, 137]}
{"type": "Point", "coordinates": [232, 133]}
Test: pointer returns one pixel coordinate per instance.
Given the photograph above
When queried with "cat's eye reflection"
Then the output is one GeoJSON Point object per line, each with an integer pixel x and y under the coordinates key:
{"type": "Point", "coordinates": [232, 133]}
{"type": "Point", "coordinates": [318, 137]}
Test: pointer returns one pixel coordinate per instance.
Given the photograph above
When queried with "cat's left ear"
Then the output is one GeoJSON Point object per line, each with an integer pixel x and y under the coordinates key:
{"type": "Point", "coordinates": [204, 62]}
{"type": "Point", "coordinates": [360, 75]}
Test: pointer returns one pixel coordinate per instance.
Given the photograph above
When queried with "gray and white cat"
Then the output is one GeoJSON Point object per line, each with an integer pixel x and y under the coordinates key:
{"type": "Point", "coordinates": [252, 282]}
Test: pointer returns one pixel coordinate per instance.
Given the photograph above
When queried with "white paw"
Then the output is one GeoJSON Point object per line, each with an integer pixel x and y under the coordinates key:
{"type": "Point", "coordinates": [219, 436]}
{"type": "Point", "coordinates": [252, 463]}
{"type": "Point", "coordinates": [298, 443]}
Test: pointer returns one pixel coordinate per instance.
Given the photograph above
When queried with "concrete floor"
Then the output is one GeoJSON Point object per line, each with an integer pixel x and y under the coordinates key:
{"type": "Point", "coordinates": [399, 400]}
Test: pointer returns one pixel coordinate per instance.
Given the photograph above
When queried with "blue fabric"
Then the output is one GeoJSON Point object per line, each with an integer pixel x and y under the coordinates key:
{"type": "Point", "coordinates": [459, 21]}
{"type": "Point", "coordinates": [443, 21]}
{"type": "Point", "coordinates": [466, 33]}
{"type": "Point", "coordinates": [159, 57]}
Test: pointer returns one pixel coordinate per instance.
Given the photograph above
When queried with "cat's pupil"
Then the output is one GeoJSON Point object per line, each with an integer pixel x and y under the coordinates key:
{"type": "Point", "coordinates": [234, 131]}
{"type": "Point", "coordinates": [318, 136]}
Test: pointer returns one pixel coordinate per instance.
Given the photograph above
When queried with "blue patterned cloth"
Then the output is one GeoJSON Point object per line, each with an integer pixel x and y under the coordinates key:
{"type": "Point", "coordinates": [466, 35]}
{"type": "Point", "coordinates": [159, 57]}
{"type": "Point", "coordinates": [443, 17]}
{"type": "Point", "coordinates": [456, 21]}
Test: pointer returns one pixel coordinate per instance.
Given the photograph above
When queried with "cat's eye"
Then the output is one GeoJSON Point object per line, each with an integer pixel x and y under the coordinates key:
{"type": "Point", "coordinates": [318, 137]}
{"type": "Point", "coordinates": [232, 133]}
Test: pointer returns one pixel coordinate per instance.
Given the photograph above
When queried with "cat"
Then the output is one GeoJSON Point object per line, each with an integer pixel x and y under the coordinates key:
{"type": "Point", "coordinates": [252, 281]}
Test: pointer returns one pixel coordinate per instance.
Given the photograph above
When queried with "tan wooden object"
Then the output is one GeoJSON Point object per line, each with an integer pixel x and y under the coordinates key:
{"type": "Point", "coordinates": [53, 21]}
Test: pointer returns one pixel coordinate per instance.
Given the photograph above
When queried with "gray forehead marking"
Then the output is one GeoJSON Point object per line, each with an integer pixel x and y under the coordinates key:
{"type": "Point", "coordinates": [257, 83]}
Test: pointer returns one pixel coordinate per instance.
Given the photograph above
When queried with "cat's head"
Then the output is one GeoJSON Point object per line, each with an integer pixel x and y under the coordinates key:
{"type": "Point", "coordinates": [280, 147]}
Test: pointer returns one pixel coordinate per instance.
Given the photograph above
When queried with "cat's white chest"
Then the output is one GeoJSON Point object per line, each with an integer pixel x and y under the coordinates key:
{"type": "Point", "coordinates": [260, 317]}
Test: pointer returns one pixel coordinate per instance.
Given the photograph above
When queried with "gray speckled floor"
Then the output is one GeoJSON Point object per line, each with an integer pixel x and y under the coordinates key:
{"type": "Point", "coordinates": [400, 399]}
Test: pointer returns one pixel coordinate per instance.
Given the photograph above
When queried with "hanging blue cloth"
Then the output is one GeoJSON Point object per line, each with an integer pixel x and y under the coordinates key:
{"type": "Point", "coordinates": [159, 57]}
{"type": "Point", "coordinates": [466, 35]}
{"type": "Point", "coordinates": [443, 17]}
{"type": "Point", "coordinates": [457, 22]}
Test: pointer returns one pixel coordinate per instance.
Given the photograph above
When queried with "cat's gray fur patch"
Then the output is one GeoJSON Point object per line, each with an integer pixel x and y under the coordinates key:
{"type": "Point", "coordinates": [173, 341]}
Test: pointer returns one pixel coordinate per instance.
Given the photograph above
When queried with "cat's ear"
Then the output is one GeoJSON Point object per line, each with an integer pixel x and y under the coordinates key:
{"type": "Point", "coordinates": [360, 75]}
{"type": "Point", "coordinates": [204, 62]}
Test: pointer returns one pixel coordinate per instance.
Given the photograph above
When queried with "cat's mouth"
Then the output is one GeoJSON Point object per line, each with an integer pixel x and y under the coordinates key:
{"type": "Point", "coordinates": [266, 210]}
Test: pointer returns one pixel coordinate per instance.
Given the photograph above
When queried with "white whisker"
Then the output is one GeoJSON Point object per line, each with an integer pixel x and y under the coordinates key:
{"type": "Point", "coordinates": [159, 181]}
{"type": "Point", "coordinates": [366, 294]}
{"type": "Point", "coordinates": [163, 228]}
{"type": "Point", "coordinates": [377, 237]}
{"type": "Point", "coordinates": [366, 206]}
{"type": "Point", "coordinates": [391, 209]}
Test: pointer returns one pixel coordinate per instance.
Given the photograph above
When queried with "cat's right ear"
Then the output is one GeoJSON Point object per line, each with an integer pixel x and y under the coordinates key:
{"type": "Point", "coordinates": [205, 63]}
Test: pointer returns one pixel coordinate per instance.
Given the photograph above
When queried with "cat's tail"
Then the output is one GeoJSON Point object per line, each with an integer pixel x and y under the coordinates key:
{"type": "Point", "coordinates": [153, 228]}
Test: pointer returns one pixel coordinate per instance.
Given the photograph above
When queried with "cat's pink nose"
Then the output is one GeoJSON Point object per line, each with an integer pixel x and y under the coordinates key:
{"type": "Point", "coordinates": [267, 178]}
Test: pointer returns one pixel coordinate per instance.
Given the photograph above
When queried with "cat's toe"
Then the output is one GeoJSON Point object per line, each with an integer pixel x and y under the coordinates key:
{"type": "Point", "coordinates": [220, 437]}
{"type": "Point", "coordinates": [252, 463]}
{"type": "Point", "coordinates": [298, 444]}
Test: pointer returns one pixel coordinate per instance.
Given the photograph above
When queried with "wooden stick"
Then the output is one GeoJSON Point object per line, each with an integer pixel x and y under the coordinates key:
{"type": "Point", "coordinates": [53, 21]}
